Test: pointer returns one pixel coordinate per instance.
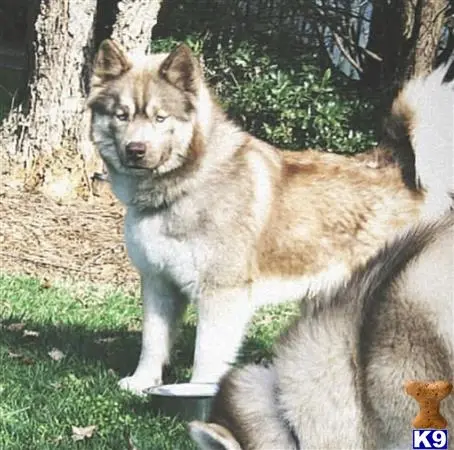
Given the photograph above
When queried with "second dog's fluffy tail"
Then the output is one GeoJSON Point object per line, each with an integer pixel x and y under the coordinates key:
{"type": "Point", "coordinates": [420, 132]}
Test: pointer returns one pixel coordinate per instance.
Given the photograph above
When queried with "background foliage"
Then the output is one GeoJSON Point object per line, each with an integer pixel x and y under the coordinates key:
{"type": "Point", "coordinates": [287, 101]}
{"type": "Point", "coordinates": [297, 73]}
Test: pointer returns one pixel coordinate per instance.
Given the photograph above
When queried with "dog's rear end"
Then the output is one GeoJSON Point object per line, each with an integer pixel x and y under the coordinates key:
{"type": "Point", "coordinates": [338, 377]}
{"type": "Point", "coordinates": [341, 370]}
{"type": "Point", "coordinates": [408, 333]}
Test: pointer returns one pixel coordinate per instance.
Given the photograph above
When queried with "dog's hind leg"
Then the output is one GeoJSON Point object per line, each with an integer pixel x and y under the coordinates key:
{"type": "Point", "coordinates": [221, 326]}
{"type": "Point", "coordinates": [163, 305]}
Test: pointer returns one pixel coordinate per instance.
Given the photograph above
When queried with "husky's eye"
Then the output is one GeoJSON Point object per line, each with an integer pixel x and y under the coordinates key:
{"type": "Point", "coordinates": [121, 115]}
{"type": "Point", "coordinates": [160, 118]}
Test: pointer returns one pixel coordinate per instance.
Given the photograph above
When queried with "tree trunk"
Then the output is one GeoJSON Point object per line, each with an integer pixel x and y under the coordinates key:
{"type": "Point", "coordinates": [134, 23]}
{"type": "Point", "coordinates": [405, 34]}
{"type": "Point", "coordinates": [62, 47]}
{"type": "Point", "coordinates": [49, 132]}
{"type": "Point", "coordinates": [422, 33]}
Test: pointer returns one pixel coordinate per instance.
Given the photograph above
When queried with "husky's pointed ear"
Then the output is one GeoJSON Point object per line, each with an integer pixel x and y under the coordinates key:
{"type": "Point", "coordinates": [111, 61]}
{"type": "Point", "coordinates": [211, 436]}
{"type": "Point", "coordinates": [182, 69]}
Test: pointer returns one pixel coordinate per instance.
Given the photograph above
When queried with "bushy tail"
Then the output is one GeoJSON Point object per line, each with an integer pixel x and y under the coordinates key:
{"type": "Point", "coordinates": [420, 132]}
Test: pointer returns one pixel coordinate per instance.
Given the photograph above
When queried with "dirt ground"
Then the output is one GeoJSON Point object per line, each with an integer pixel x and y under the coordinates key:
{"type": "Point", "coordinates": [77, 241]}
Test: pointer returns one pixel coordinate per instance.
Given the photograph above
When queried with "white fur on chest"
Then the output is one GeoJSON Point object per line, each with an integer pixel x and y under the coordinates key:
{"type": "Point", "coordinates": [155, 252]}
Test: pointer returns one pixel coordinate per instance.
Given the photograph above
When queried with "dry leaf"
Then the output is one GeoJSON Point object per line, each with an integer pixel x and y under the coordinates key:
{"type": "Point", "coordinates": [27, 361]}
{"type": "Point", "coordinates": [15, 326]}
{"type": "Point", "coordinates": [31, 333]}
{"type": "Point", "coordinates": [57, 439]}
{"type": "Point", "coordinates": [46, 284]}
{"type": "Point", "coordinates": [21, 358]}
{"type": "Point", "coordinates": [56, 354]}
{"type": "Point", "coordinates": [81, 433]}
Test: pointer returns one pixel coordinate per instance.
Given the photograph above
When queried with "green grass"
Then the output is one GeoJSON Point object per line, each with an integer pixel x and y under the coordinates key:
{"type": "Point", "coordinates": [98, 330]}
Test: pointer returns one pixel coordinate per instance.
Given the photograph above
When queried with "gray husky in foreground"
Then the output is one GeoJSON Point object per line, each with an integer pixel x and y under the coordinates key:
{"type": "Point", "coordinates": [337, 380]}
{"type": "Point", "coordinates": [221, 219]}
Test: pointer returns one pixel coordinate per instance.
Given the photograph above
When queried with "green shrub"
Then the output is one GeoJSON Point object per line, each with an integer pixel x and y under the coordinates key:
{"type": "Point", "coordinates": [291, 104]}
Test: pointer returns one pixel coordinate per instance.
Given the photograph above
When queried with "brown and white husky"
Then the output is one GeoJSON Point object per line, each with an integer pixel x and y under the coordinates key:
{"type": "Point", "coordinates": [226, 221]}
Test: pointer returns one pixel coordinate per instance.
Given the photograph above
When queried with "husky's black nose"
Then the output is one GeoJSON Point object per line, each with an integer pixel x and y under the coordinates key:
{"type": "Point", "coordinates": [136, 150]}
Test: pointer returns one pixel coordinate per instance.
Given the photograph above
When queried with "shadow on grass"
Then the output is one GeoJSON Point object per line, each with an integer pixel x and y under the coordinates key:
{"type": "Point", "coordinates": [81, 387]}
{"type": "Point", "coordinates": [117, 350]}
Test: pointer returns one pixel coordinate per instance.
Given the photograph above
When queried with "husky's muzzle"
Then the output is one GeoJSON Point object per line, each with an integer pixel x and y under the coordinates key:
{"type": "Point", "coordinates": [141, 155]}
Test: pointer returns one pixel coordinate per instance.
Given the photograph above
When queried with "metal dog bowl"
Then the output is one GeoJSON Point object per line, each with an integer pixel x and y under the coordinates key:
{"type": "Point", "coordinates": [188, 401]}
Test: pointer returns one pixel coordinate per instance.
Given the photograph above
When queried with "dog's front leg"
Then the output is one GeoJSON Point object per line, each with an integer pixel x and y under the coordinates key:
{"type": "Point", "coordinates": [162, 307]}
{"type": "Point", "coordinates": [222, 322]}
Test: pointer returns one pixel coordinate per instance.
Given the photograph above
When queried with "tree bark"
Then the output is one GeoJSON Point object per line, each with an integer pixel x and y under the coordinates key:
{"type": "Point", "coordinates": [51, 117]}
{"type": "Point", "coordinates": [50, 130]}
{"type": "Point", "coordinates": [405, 34]}
{"type": "Point", "coordinates": [422, 34]}
{"type": "Point", "coordinates": [134, 23]}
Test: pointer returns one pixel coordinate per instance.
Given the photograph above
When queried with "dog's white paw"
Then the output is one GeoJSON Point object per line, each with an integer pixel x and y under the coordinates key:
{"type": "Point", "coordinates": [138, 385]}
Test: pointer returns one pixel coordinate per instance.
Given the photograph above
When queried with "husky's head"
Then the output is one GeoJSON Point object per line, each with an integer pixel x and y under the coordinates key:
{"type": "Point", "coordinates": [211, 436]}
{"type": "Point", "coordinates": [145, 109]}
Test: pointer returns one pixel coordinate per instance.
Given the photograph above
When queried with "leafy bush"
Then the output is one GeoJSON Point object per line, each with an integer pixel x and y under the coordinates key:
{"type": "Point", "coordinates": [291, 104]}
